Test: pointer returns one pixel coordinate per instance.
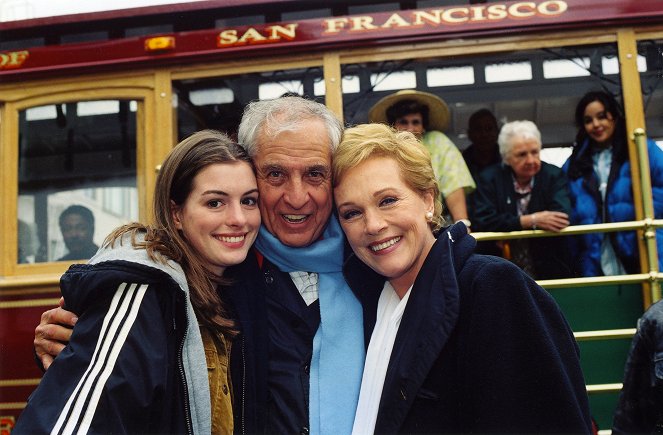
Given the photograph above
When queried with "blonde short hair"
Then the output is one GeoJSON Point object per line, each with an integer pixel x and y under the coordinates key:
{"type": "Point", "coordinates": [364, 141]}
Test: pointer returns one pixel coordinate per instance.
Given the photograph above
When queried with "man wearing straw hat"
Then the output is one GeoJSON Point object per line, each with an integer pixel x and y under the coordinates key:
{"type": "Point", "coordinates": [426, 115]}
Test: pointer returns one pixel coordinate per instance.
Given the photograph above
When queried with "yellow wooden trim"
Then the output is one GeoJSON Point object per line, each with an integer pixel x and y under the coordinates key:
{"type": "Point", "coordinates": [604, 388]}
{"type": "Point", "coordinates": [144, 115]}
{"type": "Point", "coordinates": [12, 405]}
{"type": "Point", "coordinates": [9, 171]}
{"type": "Point", "coordinates": [19, 382]}
{"type": "Point", "coordinates": [649, 32]}
{"type": "Point", "coordinates": [34, 280]}
{"type": "Point", "coordinates": [635, 118]}
{"type": "Point", "coordinates": [80, 82]}
{"type": "Point", "coordinates": [610, 334]}
{"type": "Point", "coordinates": [333, 85]}
{"type": "Point", "coordinates": [73, 96]}
{"type": "Point", "coordinates": [48, 268]}
{"type": "Point", "coordinates": [163, 138]}
{"type": "Point", "coordinates": [31, 303]}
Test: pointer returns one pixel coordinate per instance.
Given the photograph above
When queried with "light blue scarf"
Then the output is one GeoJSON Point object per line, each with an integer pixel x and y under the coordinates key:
{"type": "Point", "coordinates": [338, 346]}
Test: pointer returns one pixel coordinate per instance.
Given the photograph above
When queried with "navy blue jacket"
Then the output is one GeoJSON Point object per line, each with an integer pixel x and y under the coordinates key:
{"type": "Point", "coordinates": [481, 348]}
{"type": "Point", "coordinates": [271, 357]}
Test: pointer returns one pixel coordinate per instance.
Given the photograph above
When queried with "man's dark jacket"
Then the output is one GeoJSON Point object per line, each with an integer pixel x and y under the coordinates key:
{"type": "Point", "coordinates": [271, 357]}
{"type": "Point", "coordinates": [481, 348]}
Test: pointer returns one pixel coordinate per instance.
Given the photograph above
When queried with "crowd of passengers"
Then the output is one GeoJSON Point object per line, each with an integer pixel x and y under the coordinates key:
{"type": "Point", "coordinates": [506, 187]}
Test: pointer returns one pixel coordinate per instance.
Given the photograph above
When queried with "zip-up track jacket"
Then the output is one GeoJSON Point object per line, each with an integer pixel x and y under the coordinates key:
{"type": "Point", "coordinates": [135, 362]}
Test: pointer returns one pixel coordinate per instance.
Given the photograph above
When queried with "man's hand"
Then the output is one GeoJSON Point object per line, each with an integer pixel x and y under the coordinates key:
{"type": "Point", "coordinates": [53, 333]}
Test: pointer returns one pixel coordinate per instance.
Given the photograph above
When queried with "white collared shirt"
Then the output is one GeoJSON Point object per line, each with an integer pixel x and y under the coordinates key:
{"type": "Point", "coordinates": [389, 315]}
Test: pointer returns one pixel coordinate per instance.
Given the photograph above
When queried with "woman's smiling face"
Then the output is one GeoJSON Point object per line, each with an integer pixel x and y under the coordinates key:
{"type": "Point", "coordinates": [220, 217]}
{"type": "Point", "coordinates": [385, 220]}
{"type": "Point", "coordinates": [599, 123]}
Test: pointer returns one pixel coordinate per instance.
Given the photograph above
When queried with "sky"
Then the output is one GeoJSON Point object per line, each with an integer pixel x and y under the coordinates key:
{"type": "Point", "coordinates": [12, 10]}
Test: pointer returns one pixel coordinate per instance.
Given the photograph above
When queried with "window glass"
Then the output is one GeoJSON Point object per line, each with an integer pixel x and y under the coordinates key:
{"type": "Point", "coordinates": [652, 85]}
{"type": "Point", "coordinates": [77, 177]}
{"type": "Point", "coordinates": [218, 102]}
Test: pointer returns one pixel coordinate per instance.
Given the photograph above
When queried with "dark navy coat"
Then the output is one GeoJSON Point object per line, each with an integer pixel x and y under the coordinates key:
{"type": "Point", "coordinates": [481, 348]}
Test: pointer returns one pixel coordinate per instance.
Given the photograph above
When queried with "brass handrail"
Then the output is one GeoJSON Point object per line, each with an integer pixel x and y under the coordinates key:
{"type": "Point", "coordinates": [649, 233]}
{"type": "Point", "coordinates": [608, 334]}
{"type": "Point", "coordinates": [604, 388]}
{"type": "Point", "coordinates": [571, 230]}
{"type": "Point", "coordinates": [648, 226]}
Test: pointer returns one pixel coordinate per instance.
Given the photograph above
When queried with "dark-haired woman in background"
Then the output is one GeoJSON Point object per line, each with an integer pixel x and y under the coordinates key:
{"type": "Point", "coordinates": [599, 175]}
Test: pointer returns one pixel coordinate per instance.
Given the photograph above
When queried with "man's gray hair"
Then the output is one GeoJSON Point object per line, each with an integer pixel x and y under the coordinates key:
{"type": "Point", "coordinates": [516, 129]}
{"type": "Point", "coordinates": [272, 117]}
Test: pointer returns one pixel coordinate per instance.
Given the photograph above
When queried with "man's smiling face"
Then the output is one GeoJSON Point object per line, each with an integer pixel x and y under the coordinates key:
{"type": "Point", "coordinates": [294, 181]}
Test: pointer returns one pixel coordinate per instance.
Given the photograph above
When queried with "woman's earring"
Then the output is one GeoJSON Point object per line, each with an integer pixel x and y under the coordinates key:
{"type": "Point", "coordinates": [429, 216]}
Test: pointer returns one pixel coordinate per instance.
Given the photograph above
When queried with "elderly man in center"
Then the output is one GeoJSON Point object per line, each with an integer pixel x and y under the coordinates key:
{"type": "Point", "coordinates": [297, 367]}
{"type": "Point", "coordinates": [523, 193]}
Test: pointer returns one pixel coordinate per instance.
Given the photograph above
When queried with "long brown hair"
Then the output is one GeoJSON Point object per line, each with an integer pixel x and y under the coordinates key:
{"type": "Point", "coordinates": [163, 241]}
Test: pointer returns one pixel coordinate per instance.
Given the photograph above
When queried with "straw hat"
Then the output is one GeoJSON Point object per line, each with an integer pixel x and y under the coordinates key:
{"type": "Point", "coordinates": [438, 111]}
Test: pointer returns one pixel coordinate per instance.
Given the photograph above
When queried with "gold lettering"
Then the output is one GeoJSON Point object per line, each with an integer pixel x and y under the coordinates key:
{"type": "Point", "coordinates": [517, 10]}
{"type": "Point", "coordinates": [363, 22]}
{"type": "Point", "coordinates": [227, 37]}
{"type": "Point", "coordinates": [334, 25]}
{"type": "Point", "coordinates": [451, 15]}
{"type": "Point", "coordinates": [477, 13]}
{"type": "Point", "coordinates": [13, 59]}
{"type": "Point", "coordinates": [552, 8]}
{"type": "Point", "coordinates": [395, 20]}
{"type": "Point", "coordinates": [251, 36]}
{"type": "Point", "coordinates": [432, 17]}
{"type": "Point", "coordinates": [288, 32]}
{"type": "Point", "coordinates": [17, 58]}
{"type": "Point", "coordinates": [497, 12]}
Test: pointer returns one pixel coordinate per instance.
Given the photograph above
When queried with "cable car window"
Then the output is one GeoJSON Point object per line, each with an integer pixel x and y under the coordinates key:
{"type": "Point", "coordinates": [218, 102]}
{"type": "Point", "coordinates": [77, 177]}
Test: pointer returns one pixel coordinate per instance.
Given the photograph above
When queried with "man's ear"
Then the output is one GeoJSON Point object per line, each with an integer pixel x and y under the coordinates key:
{"type": "Point", "coordinates": [175, 212]}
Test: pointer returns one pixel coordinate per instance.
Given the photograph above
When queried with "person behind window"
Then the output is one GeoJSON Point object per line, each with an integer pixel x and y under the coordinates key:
{"type": "Point", "coordinates": [77, 227]}
{"type": "Point", "coordinates": [426, 115]}
{"type": "Point", "coordinates": [27, 241]}
{"type": "Point", "coordinates": [525, 193]}
{"type": "Point", "coordinates": [483, 152]}
{"type": "Point", "coordinates": [150, 350]}
{"type": "Point", "coordinates": [599, 174]}
{"type": "Point", "coordinates": [459, 342]}
{"type": "Point", "coordinates": [482, 130]}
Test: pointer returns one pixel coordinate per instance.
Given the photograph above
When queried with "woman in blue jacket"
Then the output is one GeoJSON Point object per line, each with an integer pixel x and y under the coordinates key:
{"type": "Point", "coordinates": [150, 350]}
{"type": "Point", "coordinates": [599, 174]}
